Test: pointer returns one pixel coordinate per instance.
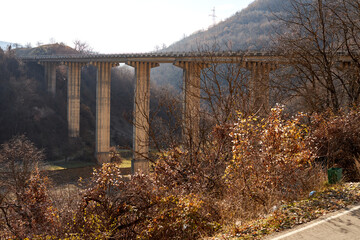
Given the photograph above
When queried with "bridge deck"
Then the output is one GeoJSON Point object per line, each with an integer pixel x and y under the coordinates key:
{"type": "Point", "coordinates": [167, 57]}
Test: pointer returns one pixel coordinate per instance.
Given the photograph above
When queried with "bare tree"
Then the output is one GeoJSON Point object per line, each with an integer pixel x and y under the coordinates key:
{"type": "Point", "coordinates": [82, 47]}
{"type": "Point", "coordinates": [311, 46]}
{"type": "Point", "coordinates": [347, 19]}
{"type": "Point", "coordinates": [52, 40]}
{"type": "Point", "coordinates": [223, 89]}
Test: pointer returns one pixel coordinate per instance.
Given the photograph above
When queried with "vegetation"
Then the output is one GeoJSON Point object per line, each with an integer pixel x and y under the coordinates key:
{"type": "Point", "coordinates": [233, 179]}
{"type": "Point", "coordinates": [187, 196]}
{"type": "Point", "coordinates": [249, 29]}
{"type": "Point", "coordinates": [312, 37]}
{"type": "Point", "coordinates": [336, 141]}
{"type": "Point", "coordinates": [288, 215]}
{"type": "Point", "coordinates": [27, 108]}
{"type": "Point", "coordinates": [49, 49]}
{"type": "Point", "coordinates": [247, 176]}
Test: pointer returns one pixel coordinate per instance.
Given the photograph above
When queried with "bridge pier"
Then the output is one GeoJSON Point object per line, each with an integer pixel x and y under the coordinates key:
{"type": "Point", "coordinates": [260, 87]}
{"type": "Point", "coordinates": [260, 64]}
{"type": "Point", "coordinates": [73, 98]}
{"type": "Point", "coordinates": [50, 76]}
{"type": "Point", "coordinates": [191, 101]}
{"type": "Point", "coordinates": [103, 85]}
{"type": "Point", "coordinates": [140, 161]}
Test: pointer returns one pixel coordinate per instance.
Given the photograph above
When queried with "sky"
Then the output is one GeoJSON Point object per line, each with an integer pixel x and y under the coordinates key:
{"type": "Point", "coordinates": [110, 26]}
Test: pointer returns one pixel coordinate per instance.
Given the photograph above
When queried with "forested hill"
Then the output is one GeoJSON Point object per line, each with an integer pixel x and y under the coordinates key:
{"type": "Point", "coordinates": [49, 49]}
{"type": "Point", "coordinates": [248, 29]}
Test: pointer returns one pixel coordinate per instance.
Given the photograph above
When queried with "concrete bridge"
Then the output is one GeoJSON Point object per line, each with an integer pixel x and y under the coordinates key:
{"type": "Point", "coordinates": [259, 64]}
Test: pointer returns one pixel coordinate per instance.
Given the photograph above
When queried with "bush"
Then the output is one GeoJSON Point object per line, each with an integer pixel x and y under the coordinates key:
{"type": "Point", "coordinates": [19, 158]}
{"type": "Point", "coordinates": [179, 217]}
{"type": "Point", "coordinates": [240, 172]}
{"type": "Point", "coordinates": [139, 208]}
{"type": "Point", "coordinates": [271, 162]}
{"type": "Point", "coordinates": [26, 207]}
{"type": "Point", "coordinates": [336, 140]}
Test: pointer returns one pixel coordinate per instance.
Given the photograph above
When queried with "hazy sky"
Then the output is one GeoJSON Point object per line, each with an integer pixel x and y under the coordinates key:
{"type": "Point", "coordinates": [110, 26]}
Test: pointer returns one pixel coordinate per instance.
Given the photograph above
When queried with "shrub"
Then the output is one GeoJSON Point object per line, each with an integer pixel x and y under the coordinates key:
{"type": "Point", "coordinates": [179, 217]}
{"type": "Point", "coordinates": [191, 194]}
{"type": "Point", "coordinates": [143, 207]}
{"type": "Point", "coordinates": [271, 161]}
{"type": "Point", "coordinates": [26, 207]}
{"type": "Point", "coordinates": [18, 159]}
{"type": "Point", "coordinates": [239, 172]}
{"type": "Point", "coordinates": [336, 140]}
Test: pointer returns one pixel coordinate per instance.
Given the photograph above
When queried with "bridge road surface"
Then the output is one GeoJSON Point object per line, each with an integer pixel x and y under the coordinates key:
{"type": "Point", "coordinates": [343, 224]}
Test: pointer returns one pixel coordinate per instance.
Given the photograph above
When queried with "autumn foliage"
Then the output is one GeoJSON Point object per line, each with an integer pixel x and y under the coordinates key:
{"type": "Point", "coordinates": [336, 140]}
{"type": "Point", "coordinates": [142, 207]}
{"type": "Point", "coordinates": [26, 207]}
{"type": "Point", "coordinates": [271, 161]}
{"type": "Point", "coordinates": [241, 172]}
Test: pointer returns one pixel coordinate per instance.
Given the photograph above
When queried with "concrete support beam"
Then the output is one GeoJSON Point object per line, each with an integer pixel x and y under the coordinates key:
{"type": "Point", "coordinates": [50, 76]}
{"type": "Point", "coordinates": [140, 160]}
{"type": "Point", "coordinates": [73, 98]}
{"type": "Point", "coordinates": [102, 141]}
{"type": "Point", "coordinates": [259, 87]}
{"type": "Point", "coordinates": [191, 101]}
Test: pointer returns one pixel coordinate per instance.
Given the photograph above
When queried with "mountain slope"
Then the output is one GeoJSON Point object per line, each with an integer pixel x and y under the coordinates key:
{"type": "Point", "coordinates": [48, 49]}
{"type": "Point", "coordinates": [249, 29]}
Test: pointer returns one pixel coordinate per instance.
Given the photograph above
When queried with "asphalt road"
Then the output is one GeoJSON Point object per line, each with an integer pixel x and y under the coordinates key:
{"type": "Point", "coordinates": [343, 224]}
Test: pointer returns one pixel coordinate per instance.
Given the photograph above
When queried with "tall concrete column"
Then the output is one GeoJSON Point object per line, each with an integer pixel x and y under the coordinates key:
{"type": "Point", "coordinates": [50, 76]}
{"type": "Point", "coordinates": [259, 87]}
{"type": "Point", "coordinates": [140, 160]}
{"type": "Point", "coordinates": [73, 98]}
{"type": "Point", "coordinates": [191, 101]}
{"type": "Point", "coordinates": [102, 141]}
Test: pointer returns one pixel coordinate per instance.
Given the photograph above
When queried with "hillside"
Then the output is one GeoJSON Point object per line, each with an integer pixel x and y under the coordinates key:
{"type": "Point", "coordinates": [248, 29]}
{"type": "Point", "coordinates": [48, 49]}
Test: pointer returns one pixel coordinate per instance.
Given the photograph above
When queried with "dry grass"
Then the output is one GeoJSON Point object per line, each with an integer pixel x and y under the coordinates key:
{"type": "Point", "coordinates": [289, 214]}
